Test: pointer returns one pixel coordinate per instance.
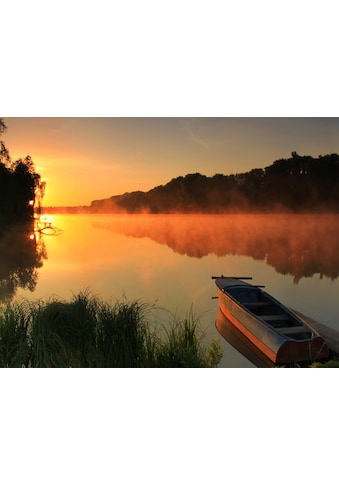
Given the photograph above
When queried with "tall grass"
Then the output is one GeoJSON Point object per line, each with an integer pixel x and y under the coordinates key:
{"type": "Point", "coordinates": [182, 345]}
{"type": "Point", "coordinates": [88, 332]}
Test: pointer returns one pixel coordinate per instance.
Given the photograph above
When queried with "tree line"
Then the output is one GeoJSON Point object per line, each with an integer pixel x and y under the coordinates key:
{"type": "Point", "coordinates": [20, 186]}
{"type": "Point", "coordinates": [297, 184]}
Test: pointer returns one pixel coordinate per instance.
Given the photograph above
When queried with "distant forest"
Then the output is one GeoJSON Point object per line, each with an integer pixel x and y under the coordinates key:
{"type": "Point", "coordinates": [296, 184]}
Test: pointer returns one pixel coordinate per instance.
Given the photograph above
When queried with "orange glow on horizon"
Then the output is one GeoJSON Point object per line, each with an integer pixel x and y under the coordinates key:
{"type": "Point", "coordinates": [86, 159]}
{"type": "Point", "coordinates": [46, 219]}
{"type": "Point", "coordinates": [73, 184]}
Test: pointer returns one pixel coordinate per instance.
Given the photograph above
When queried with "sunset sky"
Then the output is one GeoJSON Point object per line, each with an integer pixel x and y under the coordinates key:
{"type": "Point", "coordinates": [83, 159]}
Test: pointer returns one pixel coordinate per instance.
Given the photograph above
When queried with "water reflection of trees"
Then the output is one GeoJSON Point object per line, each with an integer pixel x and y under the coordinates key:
{"type": "Point", "coordinates": [299, 245]}
{"type": "Point", "coordinates": [21, 254]}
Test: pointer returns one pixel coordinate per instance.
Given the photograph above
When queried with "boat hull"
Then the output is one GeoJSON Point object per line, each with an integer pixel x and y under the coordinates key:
{"type": "Point", "coordinates": [241, 343]}
{"type": "Point", "coordinates": [278, 348]}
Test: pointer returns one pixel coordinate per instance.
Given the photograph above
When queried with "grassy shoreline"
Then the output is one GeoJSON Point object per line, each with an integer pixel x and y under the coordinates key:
{"type": "Point", "coordinates": [89, 332]}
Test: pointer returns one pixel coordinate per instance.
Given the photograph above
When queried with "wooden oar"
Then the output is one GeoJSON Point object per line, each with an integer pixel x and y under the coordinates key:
{"type": "Point", "coordinates": [233, 277]}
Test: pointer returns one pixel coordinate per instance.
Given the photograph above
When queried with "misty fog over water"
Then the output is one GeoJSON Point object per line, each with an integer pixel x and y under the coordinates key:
{"type": "Point", "coordinates": [298, 245]}
{"type": "Point", "coordinates": [168, 261]}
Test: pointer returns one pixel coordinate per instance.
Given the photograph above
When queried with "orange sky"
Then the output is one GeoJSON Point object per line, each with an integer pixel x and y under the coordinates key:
{"type": "Point", "coordinates": [83, 159]}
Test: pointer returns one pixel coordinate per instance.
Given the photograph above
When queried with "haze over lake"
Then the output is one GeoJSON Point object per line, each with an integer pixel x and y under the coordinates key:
{"type": "Point", "coordinates": [168, 261]}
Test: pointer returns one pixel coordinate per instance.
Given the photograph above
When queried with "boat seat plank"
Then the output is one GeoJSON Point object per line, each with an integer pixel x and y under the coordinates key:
{"type": "Point", "coordinates": [273, 318]}
{"type": "Point", "coordinates": [289, 330]}
{"type": "Point", "coordinates": [256, 303]}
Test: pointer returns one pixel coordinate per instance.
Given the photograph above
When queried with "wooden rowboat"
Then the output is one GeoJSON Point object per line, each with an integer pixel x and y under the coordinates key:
{"type": "Point", "coordinates": [274, 329]}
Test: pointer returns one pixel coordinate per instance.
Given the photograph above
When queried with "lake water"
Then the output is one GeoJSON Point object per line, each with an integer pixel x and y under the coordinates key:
{"type": "Point", "coordinates": [168, 261]}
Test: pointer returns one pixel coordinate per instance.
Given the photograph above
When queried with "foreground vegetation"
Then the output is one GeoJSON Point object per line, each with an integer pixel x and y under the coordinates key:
{"type": "Point", "coordinates": [330, 364]}
{"type": "Point", "coordinates": [88, 332]}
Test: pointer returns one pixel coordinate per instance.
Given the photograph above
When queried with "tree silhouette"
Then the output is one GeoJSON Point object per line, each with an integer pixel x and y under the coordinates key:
{"type": "Point", "coordinates": [20, 186]}
{"type": "Point", "coordinates": [296, 184]}
{"type": "Point", "coordinates": [4, 153]}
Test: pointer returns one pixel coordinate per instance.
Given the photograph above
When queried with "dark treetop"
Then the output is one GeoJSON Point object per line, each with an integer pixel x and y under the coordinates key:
{"type": "Point", "coordinates": [296, 184]}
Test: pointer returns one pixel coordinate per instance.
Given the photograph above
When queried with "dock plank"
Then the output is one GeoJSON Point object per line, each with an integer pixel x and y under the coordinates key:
{"type": "Point", "coordinates": [330, 335]}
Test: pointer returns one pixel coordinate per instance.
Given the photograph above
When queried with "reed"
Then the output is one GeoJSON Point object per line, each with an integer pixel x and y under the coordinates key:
{"type": "Point", "coordinates": [89, 332]}
{"type": "Point", "coordinates": [182, 345]}
{"type": "Point", "coordinates": [122, 334]}
{"type": "Point", "coordinates": [14, 340]}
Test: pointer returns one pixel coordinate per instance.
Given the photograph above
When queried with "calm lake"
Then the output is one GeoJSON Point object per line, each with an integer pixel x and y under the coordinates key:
{"type": "Point", "coordinates": [168, 261]}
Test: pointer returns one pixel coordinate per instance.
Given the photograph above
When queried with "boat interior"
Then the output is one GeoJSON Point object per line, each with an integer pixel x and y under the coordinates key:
{"type": "Point", "coordinates": [265, 308]}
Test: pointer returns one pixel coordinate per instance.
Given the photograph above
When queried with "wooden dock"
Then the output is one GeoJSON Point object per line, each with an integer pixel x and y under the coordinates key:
{"type": "Point", "coordinates": [330, 335]}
